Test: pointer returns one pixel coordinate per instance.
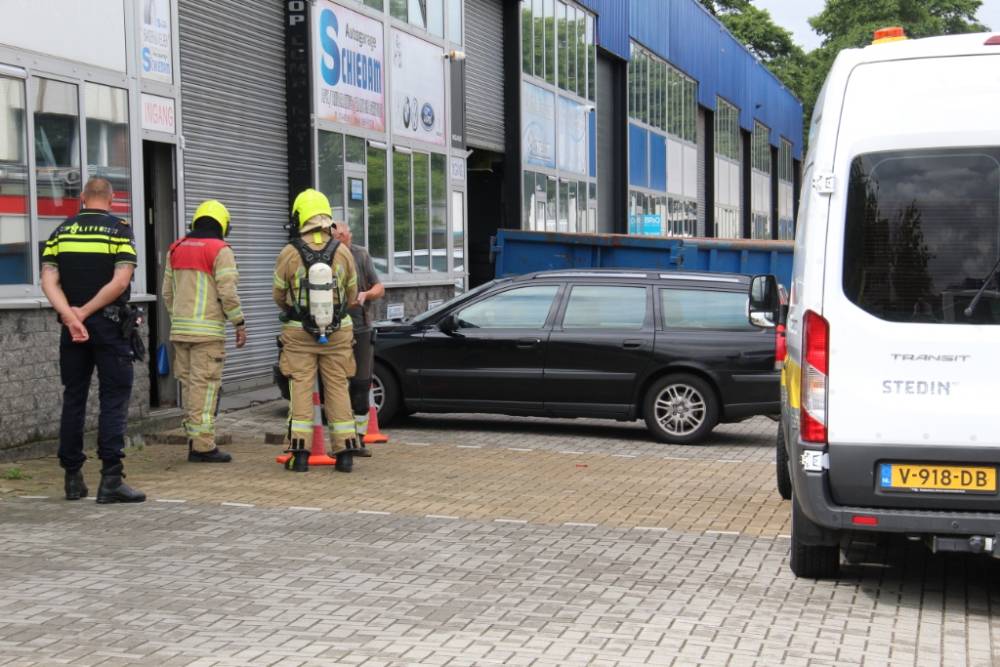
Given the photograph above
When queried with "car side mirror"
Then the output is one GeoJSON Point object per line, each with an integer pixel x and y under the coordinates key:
{"type": "Point", "coordinates": [449, 324]}
{"type": "Point", "coordinates": [765, 302]}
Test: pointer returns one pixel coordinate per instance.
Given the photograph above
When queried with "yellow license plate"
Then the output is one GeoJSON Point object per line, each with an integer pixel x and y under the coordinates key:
{"type": "Point", "coordinates": [957, 479]}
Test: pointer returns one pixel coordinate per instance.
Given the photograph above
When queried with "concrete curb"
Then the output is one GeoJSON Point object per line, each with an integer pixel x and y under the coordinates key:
{"type": "Point", "coordinates": [162, 421]}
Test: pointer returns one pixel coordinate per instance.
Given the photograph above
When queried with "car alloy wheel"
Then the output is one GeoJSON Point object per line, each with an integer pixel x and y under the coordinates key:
{"type": "Point", "coordinates": [378, 392]}
{"type": "Point", "coordinates": [680, 409]}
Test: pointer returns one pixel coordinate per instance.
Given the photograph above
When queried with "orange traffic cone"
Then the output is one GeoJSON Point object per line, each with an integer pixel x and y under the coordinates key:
{"type": "Point", "coordinates": [372, 435]}
{"type": "Point", "coordinates": [318, 456]}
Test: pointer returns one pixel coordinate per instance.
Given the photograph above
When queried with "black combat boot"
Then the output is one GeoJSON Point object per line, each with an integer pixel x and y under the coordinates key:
{"type": "Point", "coordinates": [345, 457]}
{"type": "Point", "coordinates": [76, 488]}
{"type": "Point", "coordinates": [214, 456]}
{"type": "Point", "coordinates": [299, 461]}
{"type": "Point", "coordinates": [114, 490]}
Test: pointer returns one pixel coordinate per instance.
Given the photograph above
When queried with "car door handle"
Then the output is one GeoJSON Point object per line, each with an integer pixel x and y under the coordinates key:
{"type": "Point", "coordinates": [633, 344]}
{"type": "Point", "coordinates": [528, 342]}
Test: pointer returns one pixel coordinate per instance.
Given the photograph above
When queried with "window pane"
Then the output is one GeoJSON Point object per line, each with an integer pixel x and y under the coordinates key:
{"type": "Point", "coordinates": [378, 238]}
{"type": "Point", "coordinates": [455, 21]}
{"type": "Point", "coordinates": [416, 13]}
{"type": "Point", "coordinates": [374, 4]}
{"type": "Point", "coordinates": [421, 211]}
{"type": "Point", "coordinates": [57, 153]}
{"type": "Point", "coordinates": [331, 171]}
{"type": "Point", "coordinates": [15, 223]}
{"type": "Point", "coordinates": [439, 213]}
{"type": "Point", "coordinates": [108, 142]}
{"type": "Point", "coordinates": [355, 149]}
{"type": "Point", "coordinates": [563, 206]}
{"type": "Point", "coordinates": [522, 308]}
{"type": "Point", "coordinates": [563, 45]}
{"type": "Point", "coordinates": [550, 205]}
{"type": "Point", "coordinates": [593, 307]}
{"type": "Point", "coordinates": [538, 38]}
{"type": "Point", "coordinates": [571, 49]}
{"type": "Point", "coordinates": [571, 207]}
{"type": "Point", "coordinates": [435, 17]}
{"type": "Point", "coordinates": [581, 53]}
{"type": "Point", "coordinates": [397, 9]}
{"type": "Point", "coordinates": [705, 309]}
{"type": "Point", "coordinates": [527, 58]}
{"type": "Point", "coordinates": [550, 42]}
{"type": "Point", "coordinates": [401, 202]}
{"type": "Point", "coordinates": [591, 60]}
{"type": "Point", "coordinates": [581, 207]}
{"type": "Point", "coordinates": [458, 231]}
{"type": "Point", "coordinates": [528, 201]}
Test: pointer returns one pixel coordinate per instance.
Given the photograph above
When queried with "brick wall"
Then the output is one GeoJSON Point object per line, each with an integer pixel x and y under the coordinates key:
{"type": "Point", "coordinates": [414, 299]}
{"type": "Point", "coordinates": [30, 388]}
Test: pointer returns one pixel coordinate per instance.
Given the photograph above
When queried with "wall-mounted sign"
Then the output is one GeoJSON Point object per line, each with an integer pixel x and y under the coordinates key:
{"type": "Point", "coordinates": [538, 126]}
{"type": "Point", "coordinates": [357, 189]}
{"type": "Point", "coordinates": [394, 311]}
{"type": "Point", "coordinates": [572, 137]}
{"type": "Point", "coordinates": [349, 73]}
{"type": "Point", "coordinates": [418, 109]}
{"type": "Point", "coordinates": [158, 114]}
{"type": "Point", "coordinates": [157, 59]}
{"type": "Point", "coordinates": [431, 305]}
{"type": "Point", "coordinates": [457, 169]}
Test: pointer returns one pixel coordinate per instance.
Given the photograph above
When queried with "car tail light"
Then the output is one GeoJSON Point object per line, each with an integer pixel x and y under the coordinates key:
{"type": "Point", "coordinates": [992, 41]}
{"type": "Point", "coordinates": [816, 344]}
{"type": "Point", "coordinates": [865, 520]}
{"type": "Point", "coordinates": [780, 347]}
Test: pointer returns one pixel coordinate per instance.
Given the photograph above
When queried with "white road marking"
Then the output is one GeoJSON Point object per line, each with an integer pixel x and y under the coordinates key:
{"type": "Point", "coordinates": [511, 520]}
{"type": "Point", "coordinates": [237, 504]}
{"type": "Point", "coordinates": [372, 512]}
{"type": "Point", "coordinates": [584, 525]}
{"type": "Point", "coordinates": [168, 500]}
{"type": "Point", "coordinates": [440, 516]}
{"type": "Point", "coordinates": [308, 509]}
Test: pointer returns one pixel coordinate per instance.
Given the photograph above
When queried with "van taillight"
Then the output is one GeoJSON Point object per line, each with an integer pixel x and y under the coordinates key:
{"type": "Point", "coordinates": [815, 367]}
{"type": "Point", "coordinates": [780, 347]}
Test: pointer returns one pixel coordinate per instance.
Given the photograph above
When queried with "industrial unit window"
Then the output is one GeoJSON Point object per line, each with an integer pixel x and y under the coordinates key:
{"type": "Point", "coordinates": [658, 215]}
{"type": "Point", "coordinates": [662, 97]}
{"type": "Point", "coordinates": [419, 206]}
{"type": "Point", "coordinates": [727, 170]}
{"type": "Point", "coordinates": [786, 191]}
{"type": "Point", "coordinates": [559, 62]}
{"type": "Point", "coordinates": [429, 15]}
{"type": "Point", "coordinates": [760, 160]}
{"type": "Point", "coordinates": [69, 122]}
{"type": "Point", "coordinates": [558, 46]}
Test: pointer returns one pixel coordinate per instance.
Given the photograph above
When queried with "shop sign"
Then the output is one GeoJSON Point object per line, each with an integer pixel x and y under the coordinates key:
{"type": "Point", "coordinates": [158, 114]}
{"type": "Point", "coordinates": [349, 74]}
{"type": "Point", "coordinates": [538, 126]}
{"type": "Point", "coordinates": [572, 137]}
{"type": "Point", "coordinates": [417, 89]}
{"type": "Point", "coordinates": [157, 60]}
{"type": "Point", "coordinates": [457, 169]}
{"type": "Point", "coordinates": [651, 225]}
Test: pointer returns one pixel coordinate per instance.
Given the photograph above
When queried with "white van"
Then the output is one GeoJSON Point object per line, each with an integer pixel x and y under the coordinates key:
{"type": "Point", "coordinates": [891, 384]}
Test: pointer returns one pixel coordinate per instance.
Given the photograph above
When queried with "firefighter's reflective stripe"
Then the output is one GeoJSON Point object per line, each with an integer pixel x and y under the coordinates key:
{"type": "Point", "coordinates": [301, 426]}
{"type": "Point", "coordinates": [206, 415]}
{"type": "Point", "coordinates": [361, 424]}
{"type": "Point", "coordinates": [342, 428]}
{"type": "Point", "coordinates": [197, 327]}
{"type": "Point", "coordinates": [279, 282]}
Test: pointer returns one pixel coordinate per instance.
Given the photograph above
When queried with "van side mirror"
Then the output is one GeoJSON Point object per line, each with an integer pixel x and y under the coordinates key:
{"type": "Point", "coordinates": [449, 324]}
{"type": "Point", "coordinates": [765, 302]}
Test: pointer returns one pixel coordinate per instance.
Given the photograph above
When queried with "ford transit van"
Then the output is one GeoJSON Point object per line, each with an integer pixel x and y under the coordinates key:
{"type": "Point", "coordinates": [890, 417]}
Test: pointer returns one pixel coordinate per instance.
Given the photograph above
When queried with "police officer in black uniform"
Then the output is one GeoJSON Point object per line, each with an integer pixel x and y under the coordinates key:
{"type": "Point", "coordinates": [87, 268]}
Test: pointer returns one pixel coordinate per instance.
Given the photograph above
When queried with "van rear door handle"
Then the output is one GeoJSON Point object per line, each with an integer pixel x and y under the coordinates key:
{"type": "Point", "coordinates": [528, 342]}
{"type": "Point", "coordinates": [633, 344]}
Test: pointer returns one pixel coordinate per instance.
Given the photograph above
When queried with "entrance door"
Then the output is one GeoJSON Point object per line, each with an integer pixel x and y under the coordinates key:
{"type": "Point", "coordinates": [161, 225]}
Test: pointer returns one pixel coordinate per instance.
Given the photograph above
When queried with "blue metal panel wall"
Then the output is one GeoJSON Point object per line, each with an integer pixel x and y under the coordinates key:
{"type": "Point", "coordinates": [612, 24]}
{"type": "Point", "coordinates": [648, 20]}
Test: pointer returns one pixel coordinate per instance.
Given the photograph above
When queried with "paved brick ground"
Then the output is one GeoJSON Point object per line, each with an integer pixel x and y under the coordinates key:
{"type": "Point", "coordinates": [454, 546]}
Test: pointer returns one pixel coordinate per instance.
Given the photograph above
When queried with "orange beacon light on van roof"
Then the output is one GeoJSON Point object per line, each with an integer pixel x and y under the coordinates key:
{"type": "Point", "coordinates": [889, 35]}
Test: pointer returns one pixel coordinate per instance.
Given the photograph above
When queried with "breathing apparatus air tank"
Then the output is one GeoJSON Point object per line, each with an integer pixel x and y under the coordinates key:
{"type": "Point", "coordinates": [321, 306]}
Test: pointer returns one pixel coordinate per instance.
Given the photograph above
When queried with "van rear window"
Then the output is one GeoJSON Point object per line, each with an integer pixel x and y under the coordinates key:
{"type": "Point", "coordinates": [922, 233]}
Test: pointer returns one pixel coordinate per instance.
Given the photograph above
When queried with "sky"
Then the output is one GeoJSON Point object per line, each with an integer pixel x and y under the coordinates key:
{"type": "Point", "coordinates": [794, 15]}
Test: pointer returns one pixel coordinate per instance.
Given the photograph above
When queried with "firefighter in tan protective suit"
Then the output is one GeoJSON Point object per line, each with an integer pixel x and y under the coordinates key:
{"type": "Point", "coordinates": [314, 282]}
{"type": "Point", "coordinates": [199, 290]}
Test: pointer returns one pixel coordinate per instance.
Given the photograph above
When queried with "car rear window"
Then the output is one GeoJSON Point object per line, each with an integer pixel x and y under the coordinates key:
{"type": "Point", "coordinates": [605, 307]}
{"type": "Point", "coordinates": [921, 234]}
{"type": "Point", "coordinates": [705, 309]}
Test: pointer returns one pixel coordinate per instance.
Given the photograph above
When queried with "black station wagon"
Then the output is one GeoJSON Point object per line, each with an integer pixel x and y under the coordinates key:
{"type": "Point", "coordinates": [675, 349]}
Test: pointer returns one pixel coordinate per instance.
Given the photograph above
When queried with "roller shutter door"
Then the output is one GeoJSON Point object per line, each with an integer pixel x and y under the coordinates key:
{"type": "Point", "coordinates": [484, 99]}
{"type": "Point", "coordinates": [236, 151]}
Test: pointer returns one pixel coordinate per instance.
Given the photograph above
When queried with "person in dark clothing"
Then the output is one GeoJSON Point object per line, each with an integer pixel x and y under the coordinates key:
{"type": "Point", "coordinates": [87, 268]}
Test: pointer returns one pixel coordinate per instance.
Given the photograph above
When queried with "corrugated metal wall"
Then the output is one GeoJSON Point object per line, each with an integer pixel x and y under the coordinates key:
{"type": "Point", "coordinates": [612, 24]}
{"type": "Point", "coordinates": [484, 92]}
{"type": "Point", "coordinates": [233, 96]}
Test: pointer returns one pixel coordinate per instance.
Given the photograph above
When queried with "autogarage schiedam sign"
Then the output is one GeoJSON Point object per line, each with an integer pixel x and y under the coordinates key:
{"type": "Point", "coordinates": [350, 73]}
